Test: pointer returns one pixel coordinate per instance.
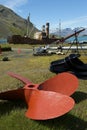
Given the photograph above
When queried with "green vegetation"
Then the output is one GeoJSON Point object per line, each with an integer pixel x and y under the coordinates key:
{"type": "Point", "coordinates": [23, 46]}
{"type": "Point", "coordinates": [5, 47]}
{"type": "Point", "coordinates": [37, 70]}
{"type": "Point", "coordinates": [13, 24]}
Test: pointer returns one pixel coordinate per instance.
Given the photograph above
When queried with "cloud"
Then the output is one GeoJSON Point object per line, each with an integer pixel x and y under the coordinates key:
{"type": "Point", "coordinates": [80, 21]}
{"type": "Point", "coordinates": [77, 22]}
{"type": "Point", "coordinates": [14, 4]}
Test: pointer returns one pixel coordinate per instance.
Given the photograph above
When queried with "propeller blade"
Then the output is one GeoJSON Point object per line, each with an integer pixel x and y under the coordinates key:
{"type": "Point", "coordinates": [24, 80]}
{"type": "Point", "coordinates": [17, 94]}
{"type": "Point", "coordinates": [43, 105]}
{"type": "Point", "coordinates": [64, 83]}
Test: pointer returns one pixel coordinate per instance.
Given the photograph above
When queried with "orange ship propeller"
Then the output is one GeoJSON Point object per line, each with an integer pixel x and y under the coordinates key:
{"type": "Point", "coordinates": [47, 100]}
{"type": "Point", "coordinates": [64, 83]}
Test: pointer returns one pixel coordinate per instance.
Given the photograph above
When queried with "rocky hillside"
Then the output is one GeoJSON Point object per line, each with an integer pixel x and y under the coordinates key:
{"type": "Point", "coordinates": [13, 24]}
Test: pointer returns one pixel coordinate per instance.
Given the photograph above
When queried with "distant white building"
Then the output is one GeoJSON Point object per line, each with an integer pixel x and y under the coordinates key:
{"type": "Point", "coordinates": [38, 35]}
{"type": "Point", "coordinates": [43, 34]}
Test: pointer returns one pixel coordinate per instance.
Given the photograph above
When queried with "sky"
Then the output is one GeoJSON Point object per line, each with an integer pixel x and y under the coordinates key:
{"type": "Point", "coordinates": [66, 13]}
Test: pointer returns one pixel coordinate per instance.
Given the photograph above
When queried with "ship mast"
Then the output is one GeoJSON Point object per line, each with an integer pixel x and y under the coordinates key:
{"type": "Point", "coordinates": [28, 22]}
{"type": "Point", "coordinates": [60, 28]}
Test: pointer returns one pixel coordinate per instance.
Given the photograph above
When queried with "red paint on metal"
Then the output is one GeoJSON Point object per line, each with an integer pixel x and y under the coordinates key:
{"type": "Point", "coordinates": [16, 94]}
{"type": "Point", "coordinates": [21, 78]}
{"type": "Point", "coordinates": [45, 105]}
{"type": "Point", "coordinates": [64, 83]}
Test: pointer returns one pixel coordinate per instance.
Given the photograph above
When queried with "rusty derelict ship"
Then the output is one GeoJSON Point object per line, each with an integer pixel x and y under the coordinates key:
{"type": "Point", "coordinates": [41, 37]}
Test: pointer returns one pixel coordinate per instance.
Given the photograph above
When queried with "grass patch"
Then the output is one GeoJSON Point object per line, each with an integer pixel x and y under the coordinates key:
{"type": "Point", "coordinates": [37, 70]}
{"type": "Point", "coordinates": [5, 47]}
{"type": "Point", "coordinates": [28, 46]}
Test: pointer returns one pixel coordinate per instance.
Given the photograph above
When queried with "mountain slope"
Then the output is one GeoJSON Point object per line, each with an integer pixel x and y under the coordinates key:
{"type": "Point", "coordinates": [67, 31]}
{"type": "Point", "coordinates": [12, 24]}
